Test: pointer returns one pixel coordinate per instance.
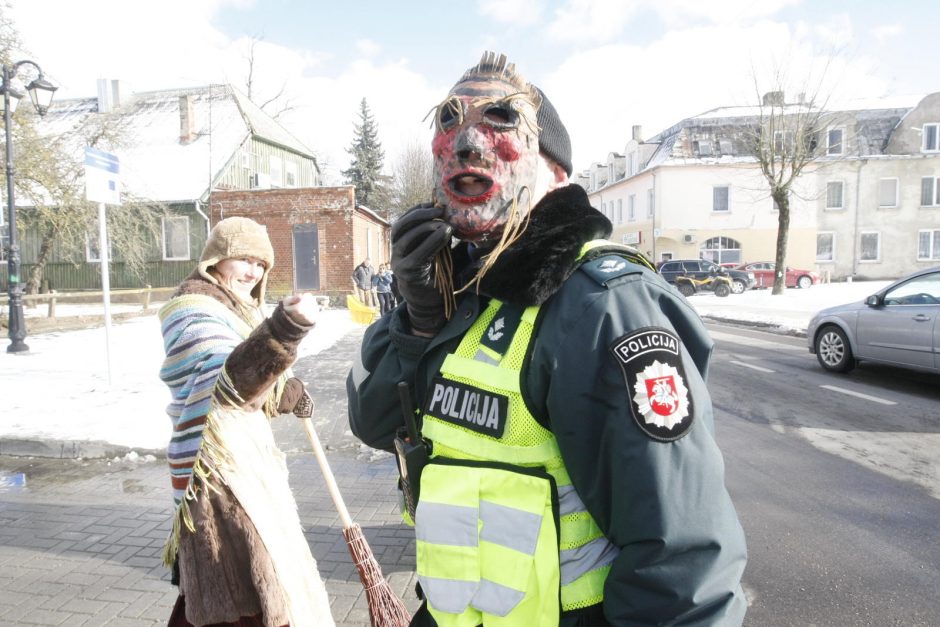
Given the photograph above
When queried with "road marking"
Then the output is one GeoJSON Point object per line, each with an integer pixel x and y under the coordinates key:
{"type": "Point", "coordinates": [873, 399]}
{"type": "Point", "coordinates": [753, 367]}
{"type": "Point", "coordinates": [753, 341]}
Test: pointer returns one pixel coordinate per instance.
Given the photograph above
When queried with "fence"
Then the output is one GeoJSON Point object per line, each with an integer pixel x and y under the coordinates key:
{"type": "Point", "coordinates": [143, 296]}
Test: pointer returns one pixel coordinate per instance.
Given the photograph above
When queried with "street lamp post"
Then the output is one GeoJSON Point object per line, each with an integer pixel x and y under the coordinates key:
{"type": "Point", "coordinates": [40, 92]}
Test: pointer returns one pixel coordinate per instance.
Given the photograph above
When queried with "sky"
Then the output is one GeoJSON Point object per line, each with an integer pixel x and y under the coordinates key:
{"type": "Point", "coordinates": [607, 65]}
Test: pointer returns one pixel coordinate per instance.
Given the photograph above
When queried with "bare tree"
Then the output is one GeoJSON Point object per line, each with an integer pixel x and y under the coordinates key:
{"type": "Point", "coordinates": [274, 105]}
{"type": "Point", "coordinates": [412, 178]}
{"type": "Point", "coordinates": [784, 140]}
{"type": "Point", "coordinates": [51, 177]}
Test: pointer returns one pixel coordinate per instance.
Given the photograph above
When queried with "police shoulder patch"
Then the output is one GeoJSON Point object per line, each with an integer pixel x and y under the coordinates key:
{"type": "Point", "coordinates": [608, 267]}
{"type": "Point", "coordinates": [651, 362]}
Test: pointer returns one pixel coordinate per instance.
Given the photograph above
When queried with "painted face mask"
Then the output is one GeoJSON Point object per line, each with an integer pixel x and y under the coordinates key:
{"type": "Point", "coordinates": [486, 155]}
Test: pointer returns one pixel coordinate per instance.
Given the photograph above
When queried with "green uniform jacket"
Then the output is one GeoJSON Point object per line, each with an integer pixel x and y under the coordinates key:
{"type": "Point", "coordinates": [661, 500]}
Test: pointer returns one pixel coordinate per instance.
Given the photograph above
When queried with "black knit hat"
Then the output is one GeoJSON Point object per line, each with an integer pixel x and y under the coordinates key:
{"type": "Point", "coordinates": [553, 138]}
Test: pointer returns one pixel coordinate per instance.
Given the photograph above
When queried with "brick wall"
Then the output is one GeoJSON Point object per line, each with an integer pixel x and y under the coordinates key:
{"type": "Point", "coordinates": [331, 208]}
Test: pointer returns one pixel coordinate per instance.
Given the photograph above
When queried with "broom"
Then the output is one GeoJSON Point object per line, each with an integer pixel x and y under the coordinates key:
{"type": "Point", "coordinates": [385, 608]}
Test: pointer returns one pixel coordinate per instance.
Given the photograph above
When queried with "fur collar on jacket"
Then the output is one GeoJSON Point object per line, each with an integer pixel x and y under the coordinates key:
{"type": "Point", "coordinates": [540, 261]}
{"type": "Point", "coordinates": [197, 284]}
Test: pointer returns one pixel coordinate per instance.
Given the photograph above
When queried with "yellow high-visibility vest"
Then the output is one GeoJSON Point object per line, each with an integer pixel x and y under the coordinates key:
{"type": "Point", "coordinates": [502, 536]}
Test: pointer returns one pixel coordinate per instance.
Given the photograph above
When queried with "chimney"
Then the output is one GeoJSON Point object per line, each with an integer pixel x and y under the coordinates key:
{"type": "Point", "coordinates": [187, 120]}
{"type": "Point", "coordinates": [773, 99]}
{"type": "Point", "coordinates": [116, 89]}
{"type": "Point", "coordinates": [104, 96]}
{"type": "Point", "coordinates": [637, 133]}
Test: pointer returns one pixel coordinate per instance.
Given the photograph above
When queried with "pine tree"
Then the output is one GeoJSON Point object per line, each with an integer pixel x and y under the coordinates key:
{"type": "Point", "coordinates": [365, 170]}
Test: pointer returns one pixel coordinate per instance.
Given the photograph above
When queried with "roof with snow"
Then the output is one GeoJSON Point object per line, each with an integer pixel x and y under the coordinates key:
{"type": "Point", "coordinates": [154, 163]}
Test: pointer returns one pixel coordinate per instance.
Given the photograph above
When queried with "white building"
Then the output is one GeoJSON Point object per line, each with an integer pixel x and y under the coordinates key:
{"type": "Point", "coordinates": [867, 206]}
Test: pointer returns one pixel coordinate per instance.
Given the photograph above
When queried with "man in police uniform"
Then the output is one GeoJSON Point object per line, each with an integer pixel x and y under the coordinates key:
{"type": "Point", "coordinates": [574, 477]}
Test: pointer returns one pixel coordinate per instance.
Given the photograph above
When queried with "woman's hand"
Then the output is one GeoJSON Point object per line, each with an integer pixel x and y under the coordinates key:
{"type": "Point", "coordinates": [302, 308]}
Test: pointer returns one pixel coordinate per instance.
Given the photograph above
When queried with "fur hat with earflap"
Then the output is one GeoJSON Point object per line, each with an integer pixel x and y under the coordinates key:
{"type": "Point", "coordinates": [234, 238]}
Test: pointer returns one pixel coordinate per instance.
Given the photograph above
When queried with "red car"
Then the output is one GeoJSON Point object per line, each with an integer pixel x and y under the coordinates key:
{"type": "Point", "coordinates": [764, 273]}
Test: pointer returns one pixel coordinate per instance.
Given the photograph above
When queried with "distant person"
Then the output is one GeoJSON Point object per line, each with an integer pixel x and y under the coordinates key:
{"type": "Point", "coordinates": [557, 383]}
{"type": "Point", "coordinates": [382, 282]}
{"type": "Point", "coordinates": [362, 279]}
{"type": "Point", "coordinates": [237, 549]}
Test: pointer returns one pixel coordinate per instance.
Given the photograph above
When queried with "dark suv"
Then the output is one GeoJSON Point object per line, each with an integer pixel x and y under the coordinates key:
{"type": "Point", "coordinates": [702, 268]}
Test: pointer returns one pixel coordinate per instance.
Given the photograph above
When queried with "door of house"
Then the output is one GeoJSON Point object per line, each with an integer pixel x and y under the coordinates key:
{"type": "Point", "coordinates": [306, 257]}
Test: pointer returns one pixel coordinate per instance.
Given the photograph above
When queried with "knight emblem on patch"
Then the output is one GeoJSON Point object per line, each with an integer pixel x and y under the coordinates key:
{"type": "Point", "coordinates": [652, 369]}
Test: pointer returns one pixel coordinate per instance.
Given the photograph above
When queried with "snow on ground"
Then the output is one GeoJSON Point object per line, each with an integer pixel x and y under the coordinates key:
{"type": "Point", "coordinates": [791, 311]}
{"type": "Point", "coordinates": [60, 390]}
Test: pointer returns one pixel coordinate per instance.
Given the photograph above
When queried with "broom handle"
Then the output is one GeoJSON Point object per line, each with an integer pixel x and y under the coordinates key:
{"type": "Point", "coordinates": [327, 473]}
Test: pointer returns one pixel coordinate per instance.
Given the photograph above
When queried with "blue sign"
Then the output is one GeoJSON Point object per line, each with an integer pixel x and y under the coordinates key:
{"type": "Point", "coordinates": [102, 177]}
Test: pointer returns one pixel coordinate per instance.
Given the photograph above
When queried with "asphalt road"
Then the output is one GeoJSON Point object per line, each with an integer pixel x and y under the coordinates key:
{"type": "Point", "coordinates": [836, 486]}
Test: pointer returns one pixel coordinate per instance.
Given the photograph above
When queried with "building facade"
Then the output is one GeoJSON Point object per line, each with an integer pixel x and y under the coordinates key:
{"type": "Point", "coordinates": [866, 206]}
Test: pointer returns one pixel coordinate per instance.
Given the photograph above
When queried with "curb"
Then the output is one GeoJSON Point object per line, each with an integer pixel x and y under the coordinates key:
{"type": "Point", "coordinates": [70, 449]}
{"type": "Point", "coordinates": [763, 326]}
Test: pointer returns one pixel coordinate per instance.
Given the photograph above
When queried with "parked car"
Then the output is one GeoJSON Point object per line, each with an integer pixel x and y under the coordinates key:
{"type": "Point", "coordinates": [897, 326]}
{"type": "Point", "coordinates": [764, 273]}
{"type": "Point", "coordinates": [702, 268]}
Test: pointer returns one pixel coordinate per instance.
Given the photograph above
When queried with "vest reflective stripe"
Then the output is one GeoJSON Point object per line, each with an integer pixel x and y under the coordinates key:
{"type": "Point", "coordinates": [448, 524]}
{"type": "Point", "coordinates": [484, 355]}
{"type": "Point", "coordinates": [487, 374]}
{"type": "Point", "coordinates": [493, 598]}
{"type": "Point", "coordinates": [509, 527]}
{"type": "Point", "coordinates": [585, 558]}
{"type": "Point", "coordinates": [583, 555]}
{"type": "Point", "coordinates": [491, 571]}
{"type": "Point", "coordinates": [568, 500]}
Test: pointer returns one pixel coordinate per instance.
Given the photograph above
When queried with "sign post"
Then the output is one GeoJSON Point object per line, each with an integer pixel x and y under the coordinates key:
{"type": "Point", "coordinates": [102, 185]}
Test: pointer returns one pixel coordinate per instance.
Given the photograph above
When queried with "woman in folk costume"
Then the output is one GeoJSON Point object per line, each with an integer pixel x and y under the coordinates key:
{"type": "Point", "coordinates": [237, 547]}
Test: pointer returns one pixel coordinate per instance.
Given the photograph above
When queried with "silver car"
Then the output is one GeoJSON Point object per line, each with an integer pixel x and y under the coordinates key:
{"type": "Point", "coordinates": [896, 326]}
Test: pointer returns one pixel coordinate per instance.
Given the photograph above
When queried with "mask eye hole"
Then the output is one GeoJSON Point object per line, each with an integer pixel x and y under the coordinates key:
{"type": "Point", "coordinates": [450, 114]}
{"type": "Point", "coordinates": [501, 116]}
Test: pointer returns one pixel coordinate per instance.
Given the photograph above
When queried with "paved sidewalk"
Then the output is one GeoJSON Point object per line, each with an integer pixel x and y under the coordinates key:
{"type": "Point", "coordinates": [80, 540]}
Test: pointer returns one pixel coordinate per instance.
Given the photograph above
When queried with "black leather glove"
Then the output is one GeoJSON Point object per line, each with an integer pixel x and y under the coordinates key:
{"type": "Point", "coordinates": [417, 236]}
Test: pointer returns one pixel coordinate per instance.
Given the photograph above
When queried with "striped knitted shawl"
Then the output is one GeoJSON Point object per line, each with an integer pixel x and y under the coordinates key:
{"type": "Point", "coordinates": [221, 443]}
{"type": "Point", "coordinates": [199, 332]}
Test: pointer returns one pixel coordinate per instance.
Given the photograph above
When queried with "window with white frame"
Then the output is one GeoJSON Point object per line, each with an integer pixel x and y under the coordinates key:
{"type": "Point", "coordinates": [928, 245]}
{"type": "Point", "coordinates": [650, 203]}
{"type": "Point", "coordinates": [610, 172]}
{"type": "Point", "coordinates": [276, 169]}
{"type": "Point", "coordinates": [176, 238]}
{"type": "Point", "coordinates": [633, 165]}
{"type": "Point", "coordinates": [834, 199]}
{"type": "Point", "coordinates": [290, 174]}
{"type": "Point", "coordinates": [834, 141]}
{"type": "Point", "coordinates": [93, 248]}
{"type": "Point", "coordinates": [721, 250]}
{"type": "Point", "coordinates": [604, 210]}
{"type": "Point", "coordinates": [888, 192]}
{"type": "Point", "coordinates": [783, 142]}
{"type": "Point", "coordinates": [929, 191]}
{"type": "Point", "coordinates": [931, 135]}
{"type": "Point", "coordinates": [720, 198]}
{"type": "Point", "coordinates": [869, 245]}
{"type": "Point", "coordinates": [631, 208]}
{"type": "Point", "coordinates": [825, 246]}
{"type": "Point", "coordinates": [619, 210]}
